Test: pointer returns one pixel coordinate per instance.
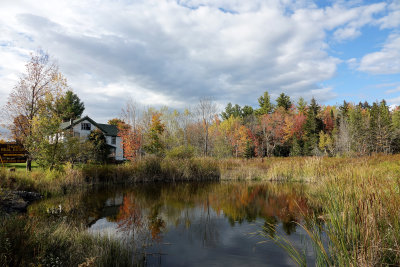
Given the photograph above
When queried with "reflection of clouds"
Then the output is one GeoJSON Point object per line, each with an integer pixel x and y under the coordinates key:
{"type": "Point", "coordinates": [107, 228]}
{"type": "Point", "coordinates": [198, 224]}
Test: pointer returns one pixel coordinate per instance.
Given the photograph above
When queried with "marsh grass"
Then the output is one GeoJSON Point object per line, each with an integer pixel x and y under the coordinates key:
{"type": "Point", "coordinates": [31, 242]}
{"type": "Point", "coordinates": [360, 202]}
{"type": "Point", "coordinates": [148, 169]}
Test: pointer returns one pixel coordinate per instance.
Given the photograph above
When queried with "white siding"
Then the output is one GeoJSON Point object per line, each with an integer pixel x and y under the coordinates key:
{"type": "Point", "coordinates": [83, 134]}
{"type": "Point", "coordinates": [119, 155]}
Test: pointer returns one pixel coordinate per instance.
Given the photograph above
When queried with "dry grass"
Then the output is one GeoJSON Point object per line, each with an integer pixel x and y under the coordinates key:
{"type": "Point", "coordinates": [30, 242]}
{"type": "Point", "coordinates": [359, 197]}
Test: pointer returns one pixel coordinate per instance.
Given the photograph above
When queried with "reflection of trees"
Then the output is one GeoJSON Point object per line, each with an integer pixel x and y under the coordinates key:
{"type": "Point", "coordinates": [130, 215]}
{"type": "Point", "coordinates": [208, 228]}
{"type": "Point", "coordinates": [246, 202]}
{"type": "Point", "coordinates": [156, 223]}
{"type": "Point", "coordinates": [153, 206]}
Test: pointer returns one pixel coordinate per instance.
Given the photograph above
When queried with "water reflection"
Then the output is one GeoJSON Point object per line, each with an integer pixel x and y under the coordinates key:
{"type": "Point", "coordinates": [191, 223]}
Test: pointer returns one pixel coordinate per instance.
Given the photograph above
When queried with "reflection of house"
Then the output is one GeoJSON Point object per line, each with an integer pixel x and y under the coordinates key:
{"type": "Point", "coordinates": [82, 127]}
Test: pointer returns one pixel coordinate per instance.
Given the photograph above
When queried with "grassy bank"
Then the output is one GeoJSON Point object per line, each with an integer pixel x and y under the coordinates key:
{"type": "Point", "coordinates": [30, 242]}
{"type": "Point", "coordinates": [148, 169]}
{"type": "Point", "coordinates": [308, 169]}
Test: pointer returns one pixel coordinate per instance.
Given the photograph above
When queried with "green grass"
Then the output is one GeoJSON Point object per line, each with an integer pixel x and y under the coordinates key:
{"type": "Point", "coordinates": [19, 166]}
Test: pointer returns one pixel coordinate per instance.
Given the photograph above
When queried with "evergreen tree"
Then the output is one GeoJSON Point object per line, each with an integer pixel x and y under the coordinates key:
{"type": "Point", "coordinates": [249, 150]}
{"type": "Point", "coordinates": [284, 101]}
{"type": "Point", "coordinates": [312, 127]}
{"type": "Point", "coordinates": [69, 106]}
{"type": "Point", "coordinates": [295, 150]}
{"type": "Point", "coordinates": [301, 105]}
{"type": "Point", "coordinates": [380, 127]}
{"type": "Point", "coordinates": [235, 111]}
{"type": "Point", "coordinates": [344, 109]}
{"type": "Point", "coordinates": [358, 130]}
{"type": "Point", "coordinates": [247, 111]}
{"type": "Point", "coordinates": [364, 105]}
{"type": "Point", "coordinates": [265, 104]}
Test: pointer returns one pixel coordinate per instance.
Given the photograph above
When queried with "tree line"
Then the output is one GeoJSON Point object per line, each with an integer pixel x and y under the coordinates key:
{"type": "Point", "coordinates": [42, 100]}
{"type": "Point", "coordinates": [283, 128]}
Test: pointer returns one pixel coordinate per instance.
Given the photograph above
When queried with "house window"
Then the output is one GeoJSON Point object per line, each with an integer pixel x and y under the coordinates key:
{"type": "Point", "coordinates": [85, 126]}
{"type": "Point", "coordinates": [113, 140]}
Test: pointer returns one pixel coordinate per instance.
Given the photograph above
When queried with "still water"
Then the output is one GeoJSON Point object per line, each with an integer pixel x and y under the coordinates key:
{"type": "Point", "coordinates": [194, 224]}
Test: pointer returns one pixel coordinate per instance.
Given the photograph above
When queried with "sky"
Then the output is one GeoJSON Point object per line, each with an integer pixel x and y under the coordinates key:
{"type": "Point", "coordinates": [174, 52]}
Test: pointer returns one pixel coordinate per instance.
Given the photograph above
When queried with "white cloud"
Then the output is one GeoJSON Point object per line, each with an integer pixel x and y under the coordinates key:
{"type": "Point", "coordinates": [393, 90]}
{"type": "Point", "coordinates": [392, 20]}
{"type": "Point", "coordinates": [385, 61]}
{"type": "Point", "coordinates": [394, 101]}
{"type": "Point", "coordinates": [173, 52]}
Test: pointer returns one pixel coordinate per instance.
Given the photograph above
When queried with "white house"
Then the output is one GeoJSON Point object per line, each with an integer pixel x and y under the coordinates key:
{"type": "Point", "coordinates": [83, 126]}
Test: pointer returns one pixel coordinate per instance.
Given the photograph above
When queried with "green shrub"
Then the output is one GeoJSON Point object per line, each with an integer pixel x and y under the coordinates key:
{"type": "Point", "coordinates": [181, 152]}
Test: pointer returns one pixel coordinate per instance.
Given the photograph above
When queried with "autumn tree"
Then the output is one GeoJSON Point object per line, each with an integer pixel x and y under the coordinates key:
{"type": "Point", "coordinates": [44, 142]}
{"type": "Point", "coordinates": [154, 145]}
{"type": "Point", "coordinates": [184, 122]}
{"type": "Point", "coordinates": [206, 111]}
{"type": "Point", "coordinates": [273, 132]}
{"type": "Point", "coordinates": [115, 121]}
{"type": "Point", "coordinates": [41, 78]}
{"type": "Point", "coordinates": [130, 131]}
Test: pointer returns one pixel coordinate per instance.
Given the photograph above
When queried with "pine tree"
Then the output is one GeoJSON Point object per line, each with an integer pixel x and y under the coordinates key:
{"type": "Point", "coordinates": [312, 127]}
{"type": "Point", "coordinates": [295, 150]}
{"type": "Point", "coordinates": [301, 105]}
{"type": "Point", "coordinates": [235, 111]}
{"type": "Point", "coordinates": [69, 106]}
{"type": "Point", "coordinates": [265, 104]}
{"type": "Point", "coordinates": [249, 150]}
{"type": "Point", "coordinates": [247, 111]}
{"type": "Point", "coordinates": [284, 101]}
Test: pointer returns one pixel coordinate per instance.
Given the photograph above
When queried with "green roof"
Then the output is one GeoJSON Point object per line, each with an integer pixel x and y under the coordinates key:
{"type": "Point", "coordinates": [107, 129]}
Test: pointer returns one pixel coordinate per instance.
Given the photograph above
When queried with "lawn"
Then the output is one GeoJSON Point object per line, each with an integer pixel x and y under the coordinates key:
{"type": "Point", "coordinates": [19, 166]}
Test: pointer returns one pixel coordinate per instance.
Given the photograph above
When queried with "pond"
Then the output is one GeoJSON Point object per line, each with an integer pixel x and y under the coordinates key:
{"type": "Point", "coordinates": [194, 224]}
